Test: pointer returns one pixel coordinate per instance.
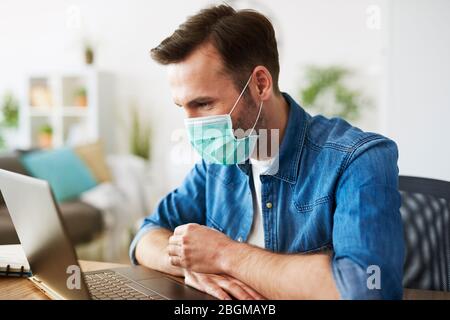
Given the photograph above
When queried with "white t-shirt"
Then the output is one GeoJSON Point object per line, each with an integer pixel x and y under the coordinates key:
{"type": "Point", "coordinates": [256, 236]}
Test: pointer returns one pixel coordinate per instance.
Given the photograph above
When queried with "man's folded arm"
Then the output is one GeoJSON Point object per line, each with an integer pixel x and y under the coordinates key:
{"type": "Point", "coordinates": [151, 251]}
{"type": "Point", "coordinates": [185, 204]}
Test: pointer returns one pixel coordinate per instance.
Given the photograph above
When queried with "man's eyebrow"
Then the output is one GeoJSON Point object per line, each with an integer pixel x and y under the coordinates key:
{"type": "Point", "coordinates": [195, 102]}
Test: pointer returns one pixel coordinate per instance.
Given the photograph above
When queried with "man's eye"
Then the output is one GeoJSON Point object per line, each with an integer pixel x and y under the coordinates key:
{"type": "Point", "coordinates": [205, 105]}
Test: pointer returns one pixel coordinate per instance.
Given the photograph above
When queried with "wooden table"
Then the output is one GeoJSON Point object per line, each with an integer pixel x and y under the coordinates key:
{"type": "Point", "coordinates": [23, 289]}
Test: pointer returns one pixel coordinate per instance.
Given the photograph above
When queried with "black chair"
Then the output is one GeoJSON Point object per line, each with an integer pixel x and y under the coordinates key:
{"type": "Point", "coordinates": [425, 212]}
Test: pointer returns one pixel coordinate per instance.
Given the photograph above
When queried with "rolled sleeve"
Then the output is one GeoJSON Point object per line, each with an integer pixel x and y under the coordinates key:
{"type": "Point", "coordinates": [185, 204]}
{"type": "Point", "coordinates": [142, 231]}
{"type": "Point", "coordinates": [367, 227]}
{"type": "Point", "coordinates": [351, 280]}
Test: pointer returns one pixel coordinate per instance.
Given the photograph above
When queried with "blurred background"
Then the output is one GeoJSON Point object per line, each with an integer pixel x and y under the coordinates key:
{"type": "Point", "coordinates": [76, 77]}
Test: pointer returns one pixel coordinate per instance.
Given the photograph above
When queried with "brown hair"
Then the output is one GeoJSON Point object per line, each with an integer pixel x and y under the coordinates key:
{"type": "Point", "coordinates": [244, 40]}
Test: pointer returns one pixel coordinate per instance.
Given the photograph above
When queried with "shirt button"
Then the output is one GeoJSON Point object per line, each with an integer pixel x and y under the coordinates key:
{"type": "Point", "coordinates": [239, 239]}
{"type": "Point", "coordinates": [269, 205]}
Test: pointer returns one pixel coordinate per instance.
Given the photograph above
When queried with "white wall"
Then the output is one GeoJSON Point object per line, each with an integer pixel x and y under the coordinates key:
{"type": "Point", "coordinates": [418, 115]}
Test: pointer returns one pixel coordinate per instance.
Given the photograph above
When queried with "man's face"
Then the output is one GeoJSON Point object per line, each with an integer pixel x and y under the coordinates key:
{"type": "Point", "coordinates": [201, 86]}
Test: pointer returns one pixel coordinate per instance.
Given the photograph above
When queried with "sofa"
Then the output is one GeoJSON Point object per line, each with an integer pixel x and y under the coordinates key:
{"type": "Point", "coordinates": [83, 221]}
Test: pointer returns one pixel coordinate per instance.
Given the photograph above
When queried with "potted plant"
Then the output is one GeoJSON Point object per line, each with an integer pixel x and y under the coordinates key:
{"type": "Point", "coordinates": [9, 120]}
{"type": "Point", "coordinates": [81, 97]}
{"type": "Point", "coordinates": [139, 136]}
{"type": "Point", "coordinates": [327, 93]}
{"type": "Point", "coordinates": [45, 136]}
{"type": "Point", "coordinates": [88, 54]}
{"type": "Point", "coordinates": [10, 110]}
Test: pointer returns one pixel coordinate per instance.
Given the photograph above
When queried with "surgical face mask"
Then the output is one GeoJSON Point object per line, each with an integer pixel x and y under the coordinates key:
{"type": "Point", "coordinates": [213, 138]}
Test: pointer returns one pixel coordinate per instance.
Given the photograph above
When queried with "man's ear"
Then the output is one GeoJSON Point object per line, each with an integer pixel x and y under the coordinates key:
{"type": "Point", "coordinates": [263, 83]}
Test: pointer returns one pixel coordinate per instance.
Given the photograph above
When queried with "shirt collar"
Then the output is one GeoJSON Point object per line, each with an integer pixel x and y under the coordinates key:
{"type": "Point", "coordinates": [291, 145]}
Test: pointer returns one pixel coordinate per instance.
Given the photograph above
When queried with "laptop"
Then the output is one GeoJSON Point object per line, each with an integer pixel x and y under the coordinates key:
{"type": "Point", "coordinates": [53, 260]}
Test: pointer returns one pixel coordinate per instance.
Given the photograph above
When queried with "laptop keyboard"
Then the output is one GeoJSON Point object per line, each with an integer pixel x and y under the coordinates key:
{"type": "Point", "coordinates": [109, 285]}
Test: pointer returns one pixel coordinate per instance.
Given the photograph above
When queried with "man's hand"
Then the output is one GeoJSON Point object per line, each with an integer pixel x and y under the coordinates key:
{"type": "Point", "coordinates": [222, 287]}
{"type": "Point", "coordinates": [198, 248]}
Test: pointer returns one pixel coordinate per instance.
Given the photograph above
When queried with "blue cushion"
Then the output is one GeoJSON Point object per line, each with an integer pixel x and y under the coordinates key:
{"type": "Point", "coordinates": [63, 169]}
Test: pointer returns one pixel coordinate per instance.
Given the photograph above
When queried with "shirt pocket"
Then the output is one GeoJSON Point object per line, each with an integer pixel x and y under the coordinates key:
{"type": "Point", "coordinates": [311, 224]}
{"type": "Point", "coordinates": [309, 207]}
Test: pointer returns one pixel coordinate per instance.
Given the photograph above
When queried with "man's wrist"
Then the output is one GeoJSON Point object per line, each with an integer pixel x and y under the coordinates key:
{"type": "Point", "coordinates": [229, 257]}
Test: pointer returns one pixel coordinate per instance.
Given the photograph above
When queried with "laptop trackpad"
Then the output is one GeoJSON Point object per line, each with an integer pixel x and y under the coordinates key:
{"type": "Point", "coordinates": [174, 290]}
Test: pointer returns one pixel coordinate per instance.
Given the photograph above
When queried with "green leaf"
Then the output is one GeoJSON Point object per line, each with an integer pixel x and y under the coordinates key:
{"type": "Point", "coordinates": [323, 80]}
{"type": "Point", "coordinates": [10, 110]}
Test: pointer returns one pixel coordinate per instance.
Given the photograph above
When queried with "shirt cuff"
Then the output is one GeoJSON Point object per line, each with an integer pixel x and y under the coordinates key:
{"type": "Point", "coordinates": [351, 281]}
{"type": "Point", "coordinates": [142, 231]}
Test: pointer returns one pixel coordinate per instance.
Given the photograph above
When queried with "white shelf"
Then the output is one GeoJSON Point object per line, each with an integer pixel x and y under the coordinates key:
{"type": "Point", "coordinates": [66, 111]}
{"type": "Point", "coordinates": [76, 111]}
{"type": "Point", "coordinates": [71, 124]}
{"type": "Point", "coordinates": [41, 111]}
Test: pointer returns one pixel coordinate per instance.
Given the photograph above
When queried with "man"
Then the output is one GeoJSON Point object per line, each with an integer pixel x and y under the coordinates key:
{"type": "Point", "coordinates": [316, 218]}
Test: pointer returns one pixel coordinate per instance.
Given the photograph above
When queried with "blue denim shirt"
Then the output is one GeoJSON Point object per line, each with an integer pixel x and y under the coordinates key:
{"type": "Point", "coordinates": [336, 189]}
